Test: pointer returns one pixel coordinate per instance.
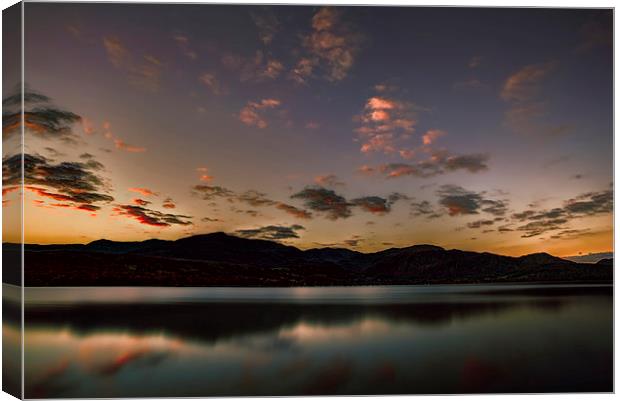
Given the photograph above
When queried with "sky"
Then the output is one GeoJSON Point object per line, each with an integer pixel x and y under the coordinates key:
{"type": "Point", "coordinates": [358, 127]}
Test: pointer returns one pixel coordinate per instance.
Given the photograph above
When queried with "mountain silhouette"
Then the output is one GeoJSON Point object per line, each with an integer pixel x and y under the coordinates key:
{"type": "Point", "coordinates": [219, 259]}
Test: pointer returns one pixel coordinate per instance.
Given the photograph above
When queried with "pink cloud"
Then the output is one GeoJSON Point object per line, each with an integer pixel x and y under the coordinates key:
{"type": "Point", "coordinates": [251, 114]}
{"type": "Point", "coordinates": [431, 135]}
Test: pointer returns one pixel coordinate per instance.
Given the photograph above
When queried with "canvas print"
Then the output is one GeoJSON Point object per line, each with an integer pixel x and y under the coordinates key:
{"type": "Point", "coordinates": [231, 200]}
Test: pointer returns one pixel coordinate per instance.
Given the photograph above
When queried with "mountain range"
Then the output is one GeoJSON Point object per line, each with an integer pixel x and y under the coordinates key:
{"type": "Point", "coordinates": [219, 259]}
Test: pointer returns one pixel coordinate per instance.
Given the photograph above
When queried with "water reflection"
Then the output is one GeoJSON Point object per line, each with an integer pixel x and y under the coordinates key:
{"type": "Point", "coordinates": [488, 341]}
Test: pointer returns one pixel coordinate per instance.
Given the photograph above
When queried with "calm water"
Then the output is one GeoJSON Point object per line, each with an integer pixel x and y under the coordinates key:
{"type": "Point", "coordinates": [108, 342]}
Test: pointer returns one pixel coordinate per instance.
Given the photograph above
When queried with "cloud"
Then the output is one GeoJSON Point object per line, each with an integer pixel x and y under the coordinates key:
{"type": "Point", "coordinates": [424, 208]}
{"type": "Point", "coordinates": [255, 198]}
{"type": "Point", "coordinates": [169, 203]}
{"type": "Point", "coordinates": [294, 211]}
{"type": "Point", "coordinates": [251, 114]}
{"type": "Point", "coordinates": [209, 80]}
{"type": "Point", "coordinates": [259, 199]}
{"type": "Point", "coordinates": [438, 164]}
{"type": "Point", "coordinates": [260, 68]}
{"type": "Point", "coordinates": [183, 43]}
{"type": "Point", "coordinates": [122, 145]}
{"type": "Point", "coordinates": [267, 24]}
{"type": "Point", "coordinates": [140, 202]}
{"type": "Point", "coordinates": [41, 118]}
{"type": "Point", "coordinates": [302, 70]}
{"type": "Point", "coordinates": [372, 204]}
{"type": "Point", "coordinates": [524, 84]}
{"type": "Point", "coordinates": [495, 207]}
{"type": "Point", "coordinates": [330, 47]}
{"type": "Point", "coordinates": [119, 143]}
{"type": "Point", "coordinates": [74, 182]}
{"type": "Point", "coordinates": [143, 191]}
{"type": "Point", "coordinates": [272, 233]}
{"type": "Point", "coordinates": [383, 122]}
{"type": "Point", "coordinates": [480, 223]}
{"type": "Point", "coordinates": [204, 176]}
{"type": "Point", "coordinates": [145, 73]}
{"type": "Point", "coordinates": [459, 201]}
{"type": "Point", "coordinates": [209, 192]}
{"type": "Point", "coordinates": [527, 109]}
{"type": "Point", "coordinates": [325, 201]}
{"type": "Point", "coordinates": [431, 135]}
{"type": "Point", "coordinates": [583, 205]}
{"type": "Point", "coordinates": [335, 206]}
{"type": "Point", "coordinates": [474, 62]}
{"type": "Point", "coordinates": [590, 204]}
{"type": "Point", "coordinates": [328, 180]}
{"type": "Point", "coordinates": [151, 217]}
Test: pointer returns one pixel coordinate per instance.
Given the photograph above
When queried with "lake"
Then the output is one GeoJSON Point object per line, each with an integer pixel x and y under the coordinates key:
{"type": "Point", "coordinates": [139, 341]}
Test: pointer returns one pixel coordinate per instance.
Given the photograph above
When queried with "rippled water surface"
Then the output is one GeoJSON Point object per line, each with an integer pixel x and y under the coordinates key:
{"type": "Point", "coordinates": [107, 342]}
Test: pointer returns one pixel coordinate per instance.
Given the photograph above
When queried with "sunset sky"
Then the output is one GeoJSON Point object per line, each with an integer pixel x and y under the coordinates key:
{"type": "Point", "coordinates": [359, 127]}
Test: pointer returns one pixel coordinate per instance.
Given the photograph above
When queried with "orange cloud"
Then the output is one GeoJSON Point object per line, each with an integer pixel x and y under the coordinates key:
{"type": "Point", "coordinates": [122, 145]}
{"type": "Point", "coordinates": [378, 103]}
{"type": "Point", "coordinates": [431, 135]}
{"type": "Point", "coordinates": [119, 143]}
{"type": "Point", "coordinates": [7, 190]}
{"type": "Point", "coordinates": [141, 202]}
{"type": "Point", "coordinates": [143, 191]}
{"type": "Point", "coordinates": [203, 174]}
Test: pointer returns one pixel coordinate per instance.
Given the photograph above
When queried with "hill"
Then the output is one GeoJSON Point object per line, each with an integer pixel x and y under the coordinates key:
{"type": "Point", "coordinates": [219, 259]}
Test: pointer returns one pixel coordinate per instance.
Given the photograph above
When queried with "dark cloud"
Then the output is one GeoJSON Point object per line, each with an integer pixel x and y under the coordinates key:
{"type": "Point", "coordinates": [372, 204]}
{"type": "Point", "coordinates": [75, 182]}
{"type": "Point", "coordinates": [536, 228]}
{"type": "Point", "coordinates": [397, 196]}
{"type": "Point", "coordinates": [336, 206]}
{"type": "Point", "coordinates": [271, 232]}
{"type": "Point", "coordinates": [480, 223]}
{"type": "Point", "coordinates": [251, 197]}
{"type": "Point", "coordinates": [439, 163]}
{"type": "Point", "coordinates": [591, 203]}
{"type": "Point", "coordinates": [41, 118]}
{"type": "Point", "coordinates": [325, 201]}
{"type": "Point", "coordinates": [209, 220]}
{"type": "Point", "coordinates": [584, 205]}
{"type": "Point", "coordinates": [151, 217]}
{"type": "Point", "coordinates": [209, 192]}
{"type": "Point", "coordinates": [458, 200]}
{"type": "Point", "coordinates": [294, 211]}
{"type": "Point", "coordinates": [495, 207]}
{"type": "Point", "coordinates": [255, 198]}
{"type": "Point", "coordinates": [424, 208]}
{"type": "Point", "coordinates": [571, 234]}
